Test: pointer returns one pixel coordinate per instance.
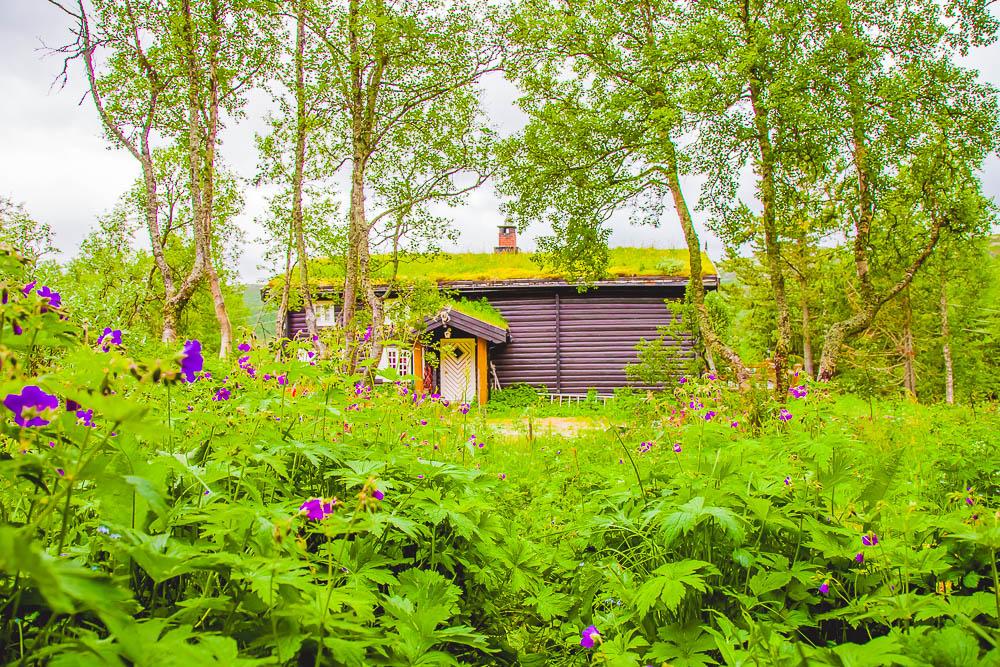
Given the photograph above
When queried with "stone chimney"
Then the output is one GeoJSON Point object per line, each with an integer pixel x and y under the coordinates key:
{"type": "Point", "coordinates": [507, 241]}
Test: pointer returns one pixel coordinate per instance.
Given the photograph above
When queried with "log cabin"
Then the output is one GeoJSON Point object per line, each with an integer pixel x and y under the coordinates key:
{"type": "Point", "coordinates": [537, 329]}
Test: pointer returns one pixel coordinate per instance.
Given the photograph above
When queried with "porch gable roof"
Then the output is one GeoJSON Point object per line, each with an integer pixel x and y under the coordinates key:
{"type": "Point", "coordinates": [473, 325]}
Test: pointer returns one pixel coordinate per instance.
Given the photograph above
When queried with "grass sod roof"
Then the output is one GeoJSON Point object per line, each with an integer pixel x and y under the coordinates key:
{"type": "Point", "coordinates": [481, 310]}
{"type": "Point", "coordinates": [484, 267]}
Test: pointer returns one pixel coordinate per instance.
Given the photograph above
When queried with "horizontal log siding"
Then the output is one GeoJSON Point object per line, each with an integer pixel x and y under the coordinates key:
{"type": "Point", "coordinates": [530, 355]}
{"type": "Point", "coordinates": [297, 323]}
{"type": "Point", "coordinates": [598, 332]}
{"type": "Point", "coordinates": [598, 335]}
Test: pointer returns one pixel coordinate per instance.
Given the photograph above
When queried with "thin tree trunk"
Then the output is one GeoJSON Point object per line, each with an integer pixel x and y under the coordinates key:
{"type": "Point", "coordinates": [907, 351]}
{"type": "Point", "coordinates": [299, 174]}
{"type": "Point", "coordinates": [208, 208]}
{"type": "Point", "coordinates": [807, 346]}
{"type": "Point", "coordinates": [356, 226]}
{"type": "Point", "coordinates": [356, 215]}
{"type": "Point", "coordinates": [772, 244]}
{"type": "Point", "coordinates": [949, 369]}
{"type": "Point", "coordinates": [281, 325]}
{"type": "Point", "coordinates": [198, 269]}
{"type": "Point", "coordinates": [697, 286]}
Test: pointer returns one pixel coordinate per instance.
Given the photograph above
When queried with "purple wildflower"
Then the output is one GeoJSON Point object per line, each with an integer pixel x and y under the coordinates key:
{"type": "Point", "coordinates": [734, 424]}
{"type": "Point", "coordinates": [52, 297]}
{"type": "Point", "coordinates": [26, 290]}
{"type": "Point", "coordinates": [683, 380]}
{"type": "Point", "coordinates": [970, 502]}
{"type": "Point", "coordinates": [108, 338]}
{"type": "Point", "coordinates": [317, 509]}
{"type": "Point", "coordinates": [242, 361]}
{"type": "Point", "coordinates": [420, 476]}
{"type": "Point", "coordinates": [824, 588]}
{"type": "Point", "coordinates": [589, 636]}
{"type": "Point", "coordinates": [712, 376]}
{"type": "Point", "coordinates": [677, 448]}
{"type": "Point", "coordinates": [191, 360]}
{"type": "Point", "coordinates": [32, 407]}
{"type": "Point", "coordinates": [788, 481]}
{"type": "Point", "coordinates": [645, 447]}
{"type": "Point", "coordinates": [502, 476]}
{"type": "Point", "coordinates": [243, 347]}
{"type": "Point", "coordinates": [709, 415]}
{"type": "Point", "coordinates": [85, 417]}
{"type": "Point", "coordinates": [368, 334]}
{"type": "Point", "coordinates": [377, 494]}
{"type": "Point", "coordinates": [869, 540]}
{"type": "Point", "coordinates": [222, 394]}
{"type": "Point", "coordinates": [799, 391]}
{"type": "Point", "coordinates": [859, 558]}
{"type": "Point", "coordinates": [784, 415]}
{"type": "Point", "coordinates": [282, 380]}
{"type": "Point", "coordinates": [464, 408]}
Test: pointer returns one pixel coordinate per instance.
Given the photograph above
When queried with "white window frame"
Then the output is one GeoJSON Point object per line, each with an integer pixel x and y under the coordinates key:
{"type": "Point", "coordinates": [326, 313]}
{"type": "Point", "coordinates": [398, 359]}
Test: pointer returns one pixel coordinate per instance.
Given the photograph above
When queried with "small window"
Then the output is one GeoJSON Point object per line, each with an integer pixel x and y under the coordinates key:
{"type": "Point", "coordinates": [399, 360]}
{"type": "Point", "coordinates": [326, 314]}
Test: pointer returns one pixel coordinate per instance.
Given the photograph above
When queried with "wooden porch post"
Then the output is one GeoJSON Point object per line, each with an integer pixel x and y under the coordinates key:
{"type": "Point", "coordinates": [418, 368]}
{"type": "Point", "coordinates": [482, 378]}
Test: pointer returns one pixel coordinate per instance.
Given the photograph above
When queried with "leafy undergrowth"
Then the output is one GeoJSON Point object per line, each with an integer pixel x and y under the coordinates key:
{"type": "Point", "coordinates": [157, 512]}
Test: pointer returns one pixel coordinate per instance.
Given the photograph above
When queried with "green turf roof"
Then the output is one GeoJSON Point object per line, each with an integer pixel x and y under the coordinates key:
{"type": "Point", "coordinates": [483, 267]}
{"type": "Point", "coordinates": [481, 310]}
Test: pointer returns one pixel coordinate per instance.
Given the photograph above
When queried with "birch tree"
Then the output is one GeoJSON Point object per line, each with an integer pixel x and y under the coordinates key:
{"type": "Point", "coordinates": [162, 70]}
{"type": "Point", "coordinates": [605, 85]}
{"type": "Point", "coordinates": [913, 122]}
{"type": "Point", "coordinates": [130, 78]}
{"type": "Point", "coordinates": [404, 115]}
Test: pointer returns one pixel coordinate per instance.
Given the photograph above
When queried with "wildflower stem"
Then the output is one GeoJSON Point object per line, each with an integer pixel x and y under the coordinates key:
{"type": "Point", "coordinates": [638, 477]}
{"type": "Point", "coordinates": [170, 427]}
{"type": "Point", "coordinates": [996, 582]}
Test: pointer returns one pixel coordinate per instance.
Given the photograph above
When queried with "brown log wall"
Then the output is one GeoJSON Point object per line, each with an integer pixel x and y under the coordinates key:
{"type": "Point", "coordinates": [570, 342]}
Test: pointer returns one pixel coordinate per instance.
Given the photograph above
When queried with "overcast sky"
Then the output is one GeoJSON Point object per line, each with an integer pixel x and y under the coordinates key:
{"type": "Point", "coordinates": [55, 159]}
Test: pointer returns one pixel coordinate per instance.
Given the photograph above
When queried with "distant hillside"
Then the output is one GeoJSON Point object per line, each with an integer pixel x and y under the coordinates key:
{"type": "Point", "coordinates": [262, 315]}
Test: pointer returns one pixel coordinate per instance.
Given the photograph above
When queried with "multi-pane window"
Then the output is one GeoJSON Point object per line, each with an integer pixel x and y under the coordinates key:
{"type": "Point", "coordinates": [399, 360]}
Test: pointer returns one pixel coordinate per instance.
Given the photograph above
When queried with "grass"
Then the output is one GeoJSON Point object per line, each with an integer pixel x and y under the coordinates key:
{"type": "Point", "coordinates": [450, 267]}
{"type": "Point", "coordinates": [481, 310]}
